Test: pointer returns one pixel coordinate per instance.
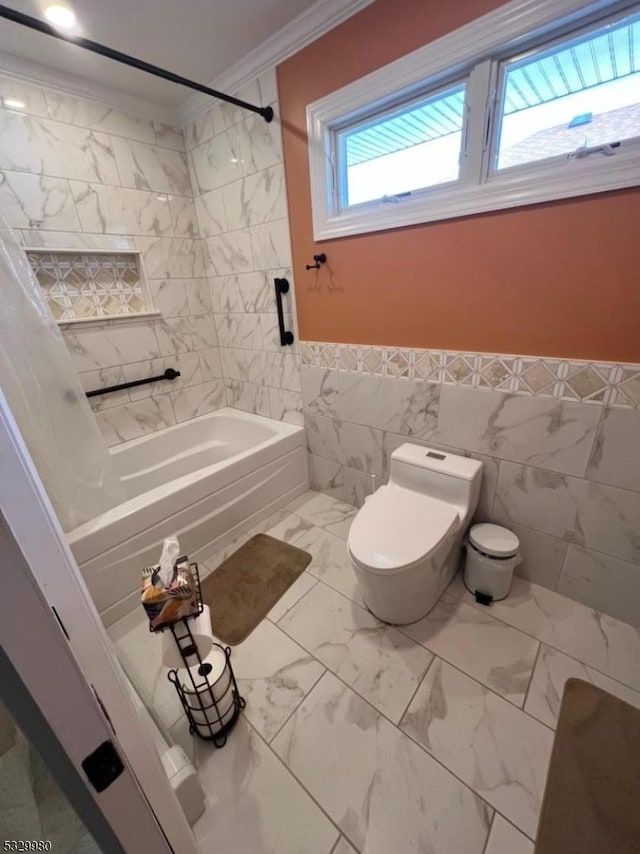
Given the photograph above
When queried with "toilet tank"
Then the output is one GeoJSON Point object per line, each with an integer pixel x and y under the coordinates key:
{"type": "Point", "coordinates": [439, 474]}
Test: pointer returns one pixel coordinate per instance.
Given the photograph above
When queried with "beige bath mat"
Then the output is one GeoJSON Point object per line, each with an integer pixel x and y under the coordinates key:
{"type": "Point", "coordinates": [592, 798]}
{"type": "Point", "coordinates": [246, 586]}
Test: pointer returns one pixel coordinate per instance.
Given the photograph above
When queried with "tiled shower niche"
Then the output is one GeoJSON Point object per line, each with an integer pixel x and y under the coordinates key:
{"type": "Point", "coordinates": [88, 285]}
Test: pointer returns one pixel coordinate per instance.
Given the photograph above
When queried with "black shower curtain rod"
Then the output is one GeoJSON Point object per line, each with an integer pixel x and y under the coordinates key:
{"type": "Point", "coordinates": [125, 59]}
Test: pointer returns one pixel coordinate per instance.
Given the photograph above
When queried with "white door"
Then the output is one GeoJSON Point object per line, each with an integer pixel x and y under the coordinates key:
{"type": "Point", "coordinates": [54, 644]}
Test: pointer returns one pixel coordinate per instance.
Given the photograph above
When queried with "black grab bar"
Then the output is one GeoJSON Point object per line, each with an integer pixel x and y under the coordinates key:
{"type": "Point", "coordinates": [169, 374]}
{"type": "Point", "coordinates": [282, 287]}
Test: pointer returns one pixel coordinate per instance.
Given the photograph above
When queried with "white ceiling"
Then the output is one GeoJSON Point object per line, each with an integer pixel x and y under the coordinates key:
{"type": "Point", "coordinates": [199, 39]}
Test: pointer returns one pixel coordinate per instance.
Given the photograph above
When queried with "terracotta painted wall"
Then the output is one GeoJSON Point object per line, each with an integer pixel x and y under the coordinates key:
{"type": "Point", "coordinates": [560, 279]}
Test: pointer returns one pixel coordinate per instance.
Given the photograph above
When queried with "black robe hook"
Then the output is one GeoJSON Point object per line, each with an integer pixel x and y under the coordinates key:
{"type": "Point", "coordinates": [319, 259]}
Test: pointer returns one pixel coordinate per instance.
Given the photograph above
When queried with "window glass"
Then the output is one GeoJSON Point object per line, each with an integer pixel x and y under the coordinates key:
{"type": "Point", "coordinates": [581, 93]}
{"type": "Point", "coordinates": [393, 155]}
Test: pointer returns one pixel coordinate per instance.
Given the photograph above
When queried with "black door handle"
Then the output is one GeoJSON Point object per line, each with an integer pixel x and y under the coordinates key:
{"type": "Point", "coordinates": [282, 287]}
{"type": "Point", "coordinates": [104, 765]}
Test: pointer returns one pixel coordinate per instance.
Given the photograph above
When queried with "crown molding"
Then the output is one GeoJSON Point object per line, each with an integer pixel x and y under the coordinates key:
{"type": "Point", "coordinates": [43, 75]}
{"type": "Point", "coordinates": [301, 31]}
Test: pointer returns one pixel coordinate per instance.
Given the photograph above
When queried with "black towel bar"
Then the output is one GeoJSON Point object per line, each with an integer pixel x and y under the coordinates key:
{"type": "Point", "coordinates": [169, 374]}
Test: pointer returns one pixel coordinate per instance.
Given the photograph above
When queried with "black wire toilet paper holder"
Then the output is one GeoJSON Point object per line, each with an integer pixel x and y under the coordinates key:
{"type": "Point", "coordinates": [210, 715]}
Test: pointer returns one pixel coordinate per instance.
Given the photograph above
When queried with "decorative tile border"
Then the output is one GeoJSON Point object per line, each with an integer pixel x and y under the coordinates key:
{"type": "Point", "coordinates": [603, 383]}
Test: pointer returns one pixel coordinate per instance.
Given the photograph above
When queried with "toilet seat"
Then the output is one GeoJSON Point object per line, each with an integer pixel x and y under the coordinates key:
{"type": "Point", "coordinates": [397, 528]}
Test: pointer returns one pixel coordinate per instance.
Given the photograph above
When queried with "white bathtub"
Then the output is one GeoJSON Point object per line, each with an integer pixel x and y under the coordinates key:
{"type": "Point", "coordinates": [205, 480]}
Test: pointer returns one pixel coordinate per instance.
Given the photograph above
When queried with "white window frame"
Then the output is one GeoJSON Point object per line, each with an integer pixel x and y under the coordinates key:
{"type": "Point", "coordinates": [473, 53]}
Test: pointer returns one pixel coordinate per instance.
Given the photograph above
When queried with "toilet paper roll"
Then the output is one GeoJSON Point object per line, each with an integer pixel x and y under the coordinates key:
{"type": "Point", "coordinates": [211, 708]}
{"type": "Point", "coordinates": [202, 636]}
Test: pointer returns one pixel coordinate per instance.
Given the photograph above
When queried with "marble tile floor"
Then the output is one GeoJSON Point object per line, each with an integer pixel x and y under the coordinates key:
{"type": "Point", "coordinates": [361, 737]}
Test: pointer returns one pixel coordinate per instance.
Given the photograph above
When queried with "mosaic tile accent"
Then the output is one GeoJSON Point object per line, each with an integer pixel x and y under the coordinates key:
{"type": "Point", "coordinates": [603, 383]}
{"type": "Point", "coordinates": [83, 285]}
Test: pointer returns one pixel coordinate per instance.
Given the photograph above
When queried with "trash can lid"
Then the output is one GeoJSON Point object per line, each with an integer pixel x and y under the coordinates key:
{"type": "Point", "coordinates": [494, 540]}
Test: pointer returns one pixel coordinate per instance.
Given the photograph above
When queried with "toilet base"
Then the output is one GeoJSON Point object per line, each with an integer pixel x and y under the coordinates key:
{"type": "Point", "coordinates": [407, 596]}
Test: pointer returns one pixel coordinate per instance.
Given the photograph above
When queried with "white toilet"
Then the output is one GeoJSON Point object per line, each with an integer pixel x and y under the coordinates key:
{"type": "Point", "coordinates": [405, 543]}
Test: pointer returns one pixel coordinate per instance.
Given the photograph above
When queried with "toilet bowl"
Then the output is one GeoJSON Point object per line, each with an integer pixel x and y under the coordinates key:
{"type": "Point", "coordinates": [405, 543]}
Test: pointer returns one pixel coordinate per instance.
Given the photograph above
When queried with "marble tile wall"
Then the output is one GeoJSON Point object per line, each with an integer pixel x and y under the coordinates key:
{"type": "Point", "coordinates": [77, 174]}
{"type": "Point", "coordinates": [237, 175]}
{"type": "Point", "coordinates": [563, 474]}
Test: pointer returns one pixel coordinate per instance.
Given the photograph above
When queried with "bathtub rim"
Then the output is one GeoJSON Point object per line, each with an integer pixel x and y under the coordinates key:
{"type": "Point", "coordinates": [80, 538]}
{"type": "Point", "coordinates": [240, 414]}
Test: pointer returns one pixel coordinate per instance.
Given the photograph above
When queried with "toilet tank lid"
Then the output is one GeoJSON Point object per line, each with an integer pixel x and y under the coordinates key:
{"type": "Point", "coordinates": [444, 462]}
{"type": "Point", "coordinates": [397, 527]}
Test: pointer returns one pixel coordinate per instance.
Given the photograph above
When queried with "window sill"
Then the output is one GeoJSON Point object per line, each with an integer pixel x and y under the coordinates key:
{"type": "Point", "coordinates": [500, 191]}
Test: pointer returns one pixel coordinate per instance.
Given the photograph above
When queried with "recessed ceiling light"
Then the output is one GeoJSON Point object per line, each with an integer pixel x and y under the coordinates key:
{"type": "Point", "coordinates": [13, 104]}
{"type": "Point", "coordinates": [60, 16]}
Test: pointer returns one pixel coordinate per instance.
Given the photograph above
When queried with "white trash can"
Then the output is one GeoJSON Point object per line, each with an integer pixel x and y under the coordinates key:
{"type": "Point", "coordinates": [492, 556]}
